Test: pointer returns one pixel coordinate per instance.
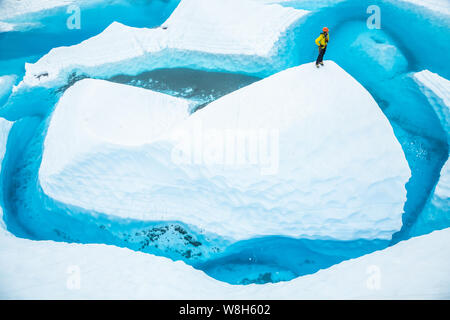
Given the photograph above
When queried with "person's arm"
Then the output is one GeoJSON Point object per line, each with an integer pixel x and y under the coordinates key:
{"type": "Point", "coordinates": [318, 40]}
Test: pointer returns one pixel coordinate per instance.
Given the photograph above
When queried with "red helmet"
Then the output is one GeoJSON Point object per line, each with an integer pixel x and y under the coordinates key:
{"type": "Point", "coordinates": [325, 29]}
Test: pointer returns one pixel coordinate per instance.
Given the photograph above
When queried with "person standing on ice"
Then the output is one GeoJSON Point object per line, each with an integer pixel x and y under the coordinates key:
{"type": "Point", "coordinates": [322, 42]}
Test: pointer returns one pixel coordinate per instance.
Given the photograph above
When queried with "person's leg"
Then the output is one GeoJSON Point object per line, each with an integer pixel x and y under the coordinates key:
{"type": "Point", "coordinates": [322, 53]}
{"type": "Point", "coordinates": [320, 57]}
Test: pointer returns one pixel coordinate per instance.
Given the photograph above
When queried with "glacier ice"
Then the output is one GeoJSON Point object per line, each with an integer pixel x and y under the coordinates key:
{"type": "Point", "coordinates": [379, 49]}
{"type": "Point", "coordinates": [5, 27]}
{"type": "Point", "coordinates": [428, 21]}
{"type": "Point", "coordinates": [416, 269]}
{"type": "Point", "coordinates": [6, 86]}
{"type": "Point", "coordinates": [414, 121]}
{"type": "Point", "coordinates": [5, 127]}
{"type": "Point", "coordinates": [380, 60]}
{"type": "Point", "coordinates": [51, 22]}
{"type": "Point", "coordinates": [27, 14]}
{"type": "Point", "coordinates": [197, 34]}
{"type": "Point", "coordinates": [436, 213]}
{"type": "Point", "coordinates": [437, 91]}
{"type": "Point", "coordinates": [39, 269]}
{"type": "Point", "coordinates": [439, 6]}
{"type": "Point", "coordinates": [110, 115]}
{"type": "Point", "coordinates": [339, 189]}
{"type": "Point", "coordinates": [12, 9]}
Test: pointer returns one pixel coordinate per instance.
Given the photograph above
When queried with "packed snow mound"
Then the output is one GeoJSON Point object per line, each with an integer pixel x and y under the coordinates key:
{"type": "Point", "coordinates": [229, 27]}
{"type": "Point", "coordinates": [303, 153]}
{"type": "Point", "coordinates": [104, 114]}
{"type": "Point", "coordinates": [227, 35]}
{"type": "Point", "coordinates": [437, 91]}
{"type": "Point", "coordinates": [413, 269]}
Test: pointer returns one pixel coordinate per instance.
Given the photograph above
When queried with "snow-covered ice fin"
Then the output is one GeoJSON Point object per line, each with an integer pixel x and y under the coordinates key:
{"type": "Point", "coordinates": [228, 35]}
{"type": "Point", "coordinates": [282, 156]}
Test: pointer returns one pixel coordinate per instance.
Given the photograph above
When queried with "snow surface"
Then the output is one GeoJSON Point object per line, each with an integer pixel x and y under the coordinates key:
{"type": "Point", "coordinates": [305, 152]}
{"type": "Point", "coordinates": [231, 35]}
{"type": "Point", "coordinates": [104, 114]}
{"type": "Point", "coordinates": [437, 91]}
{"type": "Point", "coordinates": [413, 269]}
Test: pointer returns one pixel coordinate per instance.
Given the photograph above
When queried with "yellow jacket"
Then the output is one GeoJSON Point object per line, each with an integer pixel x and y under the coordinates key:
{"type": "Point", "coordinates": [322, 41]}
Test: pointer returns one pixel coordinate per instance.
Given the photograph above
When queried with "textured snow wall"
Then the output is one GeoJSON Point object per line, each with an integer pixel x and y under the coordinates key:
{"type": "Point", "coordinates": [298, 166]}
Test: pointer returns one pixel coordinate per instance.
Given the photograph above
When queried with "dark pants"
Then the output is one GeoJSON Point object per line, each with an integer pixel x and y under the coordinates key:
{"type": "Point", "coordinates": [321, 54]}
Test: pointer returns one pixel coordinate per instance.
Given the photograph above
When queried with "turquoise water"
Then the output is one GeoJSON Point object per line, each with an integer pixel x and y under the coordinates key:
{"type": "Point", "coordinates": [197, 86]}
{"type": "Point", "coordinates": [30, 214]}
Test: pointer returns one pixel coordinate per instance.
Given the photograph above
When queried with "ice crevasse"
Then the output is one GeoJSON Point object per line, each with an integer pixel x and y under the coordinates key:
{"type": "Point", "coordinates": [299, 165]}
